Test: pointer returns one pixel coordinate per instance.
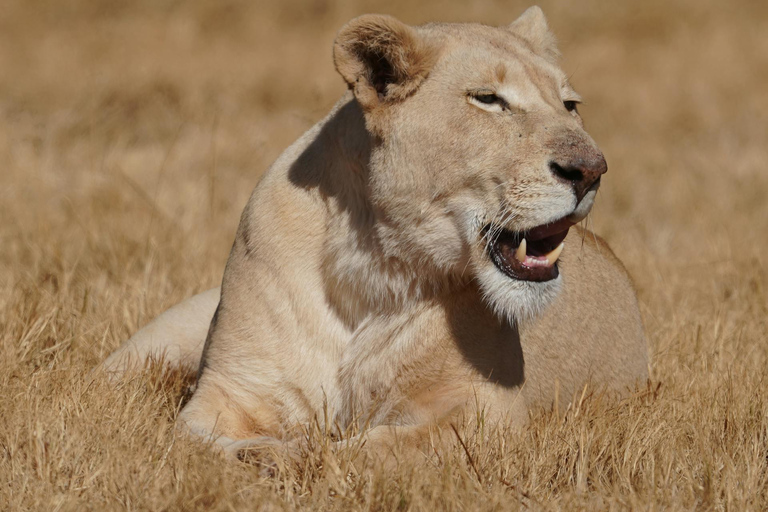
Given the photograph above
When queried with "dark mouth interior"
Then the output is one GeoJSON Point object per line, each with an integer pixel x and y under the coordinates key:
{"type": "Point", "coordinates": [544, 245]}
{"type": "Point", "coordinates": [540, 241]}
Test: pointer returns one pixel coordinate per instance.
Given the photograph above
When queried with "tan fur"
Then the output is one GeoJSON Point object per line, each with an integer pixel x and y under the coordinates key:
{"type": "Point", "coordinates": [359, 283]}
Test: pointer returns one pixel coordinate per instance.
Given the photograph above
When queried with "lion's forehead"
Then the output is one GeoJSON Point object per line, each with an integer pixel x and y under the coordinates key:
{"type": "Point", "coordinates": [478, 56]}
{"type": "Point", "coordinates": [489, 39]}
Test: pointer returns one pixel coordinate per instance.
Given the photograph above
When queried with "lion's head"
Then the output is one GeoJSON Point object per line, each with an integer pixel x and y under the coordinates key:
{"type": "Point", "coordinates": [481, 163]}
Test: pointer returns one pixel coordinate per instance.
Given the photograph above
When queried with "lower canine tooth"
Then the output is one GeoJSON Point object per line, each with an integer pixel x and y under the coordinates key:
{"type": "Point", "coordinates": [552, 256]}
{"type": "Point", "coordinates": [520, 252]}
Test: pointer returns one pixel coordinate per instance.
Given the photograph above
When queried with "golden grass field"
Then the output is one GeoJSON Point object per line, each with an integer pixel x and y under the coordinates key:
{"type": "Point", "coordinates": [132, 133]}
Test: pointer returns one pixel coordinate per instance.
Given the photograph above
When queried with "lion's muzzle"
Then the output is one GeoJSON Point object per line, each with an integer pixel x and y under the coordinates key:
{"type": "Point", "coordinates": [582, 172]}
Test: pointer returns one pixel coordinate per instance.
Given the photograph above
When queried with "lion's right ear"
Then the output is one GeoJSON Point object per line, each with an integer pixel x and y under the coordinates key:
{"type": "Point", "coordinates": [532, 26]}
{"type": "Point", "coordinates": [382, 59]}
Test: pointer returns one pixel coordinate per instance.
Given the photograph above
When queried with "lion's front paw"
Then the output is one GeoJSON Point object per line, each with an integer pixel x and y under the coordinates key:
{"type": "Point", "coordinates": [272, 455]}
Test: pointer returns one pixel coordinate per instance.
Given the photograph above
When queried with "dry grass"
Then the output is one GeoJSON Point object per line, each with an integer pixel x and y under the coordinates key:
{"type": "Point", "coordinates": [132, 134]}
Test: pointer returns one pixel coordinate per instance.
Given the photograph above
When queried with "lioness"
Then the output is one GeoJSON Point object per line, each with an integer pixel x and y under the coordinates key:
{"type": "Point", "coordinates": [413, 257]}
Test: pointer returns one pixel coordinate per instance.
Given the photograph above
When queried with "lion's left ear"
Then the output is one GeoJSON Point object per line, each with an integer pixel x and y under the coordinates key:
{"type": "Point", "coordinates": [532, 26]}
{"type": "Point", "coordinates": [382, 59]}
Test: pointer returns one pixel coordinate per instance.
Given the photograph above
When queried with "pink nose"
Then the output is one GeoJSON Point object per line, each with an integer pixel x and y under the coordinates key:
{"type": "Point", "coordinates": [581, 173]}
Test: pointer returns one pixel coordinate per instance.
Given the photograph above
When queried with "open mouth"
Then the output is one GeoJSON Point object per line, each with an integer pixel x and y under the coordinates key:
{"type": "Point", "coordinates": [530, 255]}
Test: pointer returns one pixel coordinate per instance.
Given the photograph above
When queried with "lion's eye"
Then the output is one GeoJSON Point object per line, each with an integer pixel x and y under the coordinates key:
{"type": "Point", "coordinates": [570, 106]}
{"type": "Point", "coordinates": [488, 99]}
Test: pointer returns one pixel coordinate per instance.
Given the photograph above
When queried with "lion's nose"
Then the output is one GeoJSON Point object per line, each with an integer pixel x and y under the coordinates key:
{"type": "Point", "coordinates": [581, 173]}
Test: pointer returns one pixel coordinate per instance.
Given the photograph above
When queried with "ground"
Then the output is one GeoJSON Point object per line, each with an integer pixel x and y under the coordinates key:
{"type": "Point", "coordinates": [131, 134]}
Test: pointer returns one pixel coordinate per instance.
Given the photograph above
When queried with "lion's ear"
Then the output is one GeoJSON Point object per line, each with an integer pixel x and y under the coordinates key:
{"type": "Point", "coordinates": [381, 59]}
{"type": "Point", "coordinates": [532, 26]}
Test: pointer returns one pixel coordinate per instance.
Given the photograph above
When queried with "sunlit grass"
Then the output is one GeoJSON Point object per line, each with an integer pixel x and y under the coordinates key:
{"type": "Point", "coordinates": [132, 135]}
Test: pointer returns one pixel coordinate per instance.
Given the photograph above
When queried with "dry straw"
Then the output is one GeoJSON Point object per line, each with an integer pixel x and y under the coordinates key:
{"type": "Point", "coordinates": [132, 134]}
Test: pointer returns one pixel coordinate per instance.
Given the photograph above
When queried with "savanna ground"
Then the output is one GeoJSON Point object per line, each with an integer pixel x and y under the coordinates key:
{"type": "Point", "coordinates": [132, 133]}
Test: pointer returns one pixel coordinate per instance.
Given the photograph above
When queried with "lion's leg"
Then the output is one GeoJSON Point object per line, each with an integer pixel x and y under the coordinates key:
{"type": "Point", "coordinates": [231, 417]}
{"type": "Point", "coordinates": [177, 335]}
{"type": "Point", "coordinates": [213, 412]}
{"type": "Point", "coordinates": [390, 445]}
{"type": "Point", "coordinates": [385, 445]}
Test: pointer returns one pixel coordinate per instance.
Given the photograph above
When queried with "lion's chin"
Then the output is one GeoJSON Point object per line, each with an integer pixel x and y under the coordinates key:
{"type": "Point", "coordinates": [516, 300]}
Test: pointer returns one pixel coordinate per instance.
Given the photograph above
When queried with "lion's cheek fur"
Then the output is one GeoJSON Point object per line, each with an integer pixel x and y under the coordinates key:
{"type": "Point", "coordinates": [435, 245]}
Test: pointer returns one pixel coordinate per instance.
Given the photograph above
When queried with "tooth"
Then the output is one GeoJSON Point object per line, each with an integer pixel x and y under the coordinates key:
{"type": "Point", "coordinates": [552, 256]}
{"type": "Point", "coordinates": [520, 252]}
